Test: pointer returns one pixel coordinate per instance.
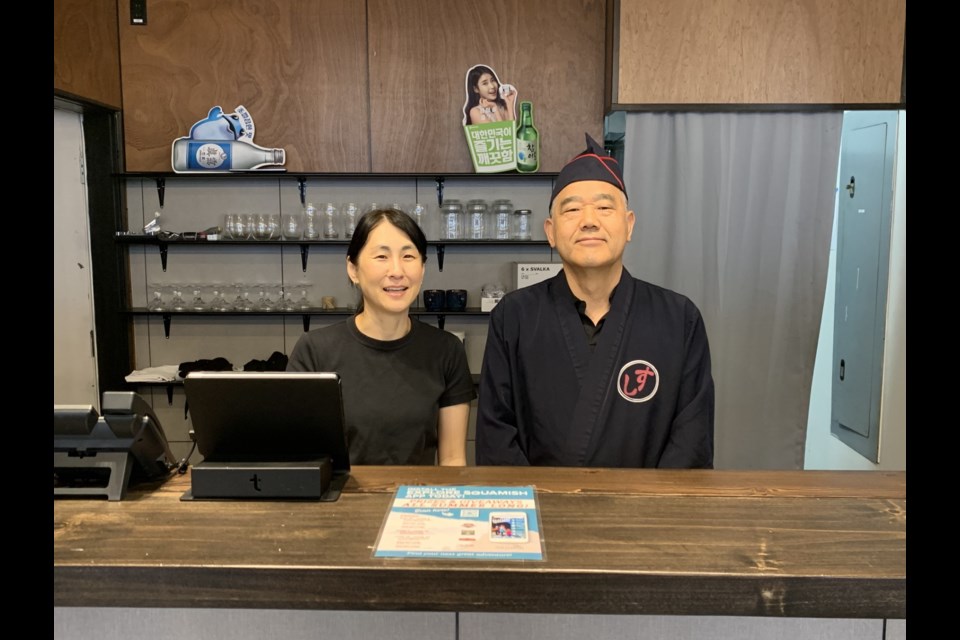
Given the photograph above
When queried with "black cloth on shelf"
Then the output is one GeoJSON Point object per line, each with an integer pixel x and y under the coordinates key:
{"type": "Point", "coordinates": [217, 364]}
{"type": "Point", "coordinates": [276, 362]}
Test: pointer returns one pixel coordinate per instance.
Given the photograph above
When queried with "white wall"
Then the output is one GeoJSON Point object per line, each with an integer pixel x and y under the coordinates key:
{"type": "Point", "coordinates": [823, 450]}
{"type": "Point", "coordinates": [74, 361]}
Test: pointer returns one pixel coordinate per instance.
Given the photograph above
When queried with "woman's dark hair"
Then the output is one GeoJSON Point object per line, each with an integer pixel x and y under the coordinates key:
{"type": "Point", "coordinates": [371, 220]}
{"type": "Point", "coordinates": [473, 98]}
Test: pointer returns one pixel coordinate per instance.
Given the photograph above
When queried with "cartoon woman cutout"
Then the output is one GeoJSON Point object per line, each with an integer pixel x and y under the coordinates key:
{"type": "Point", "coordinates": [487, 99]}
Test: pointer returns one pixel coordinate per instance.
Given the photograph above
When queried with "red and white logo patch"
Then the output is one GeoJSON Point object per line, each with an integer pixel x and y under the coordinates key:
{"type": "Point", "coordinates": [638, 381]}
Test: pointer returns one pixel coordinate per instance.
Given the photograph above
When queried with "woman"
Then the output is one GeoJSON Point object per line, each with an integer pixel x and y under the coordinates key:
{"type": "Point", "coordinates": [406, 385]}
{"type": "Point", "coordinates": [484, 100]}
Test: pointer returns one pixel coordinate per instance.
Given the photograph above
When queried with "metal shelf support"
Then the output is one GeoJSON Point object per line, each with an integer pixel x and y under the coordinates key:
{"type": "Point", "coordinates": [302, 186]}
{"type": "Point", "coordinates": [162, 246]}
{"type": "Point", "coordinates": [441, 249]}
{"type": "Point", "coordinates": [161, 188]}
{"type": "Point", "coordinates": [304, 252]}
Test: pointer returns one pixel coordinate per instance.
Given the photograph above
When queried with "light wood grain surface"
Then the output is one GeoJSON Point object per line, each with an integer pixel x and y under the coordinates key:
{"type": "Point", "coordinates": [86, 50]}
{"type": "Point", "coordinates": [729, 52]}
{"type": "Point", "coordinates": [807, 544]}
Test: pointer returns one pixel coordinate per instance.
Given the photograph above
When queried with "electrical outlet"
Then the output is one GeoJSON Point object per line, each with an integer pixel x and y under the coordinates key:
{"type": "Point", "coordinates": [138, 12]}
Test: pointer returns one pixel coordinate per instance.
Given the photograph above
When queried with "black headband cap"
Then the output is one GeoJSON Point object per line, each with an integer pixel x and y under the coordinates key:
{"type": "Point", "coordinates": [590, 164]}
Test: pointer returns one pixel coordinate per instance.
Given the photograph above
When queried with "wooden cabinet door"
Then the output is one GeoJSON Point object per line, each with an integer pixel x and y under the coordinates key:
{"type": "Point", "coordinates": [298, 66]}
{"type": "Point", "coordinates": [86, 56]}
{"type": "Point", "coordinates": [758, 52]}
{"type": "Point", "coordinates": [420, 51]}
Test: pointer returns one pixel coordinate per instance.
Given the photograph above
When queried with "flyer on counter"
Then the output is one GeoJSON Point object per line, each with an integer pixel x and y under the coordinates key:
{"type": "Point", "coordinates": [462, 522]}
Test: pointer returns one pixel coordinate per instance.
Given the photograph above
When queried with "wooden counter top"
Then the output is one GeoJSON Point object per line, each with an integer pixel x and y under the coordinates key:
{"type": "Point", "coordinates": [745, 543]}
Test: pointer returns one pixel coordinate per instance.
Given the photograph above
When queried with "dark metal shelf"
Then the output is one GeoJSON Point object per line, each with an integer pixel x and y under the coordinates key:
{"type": "Point", "coordinates": [160, 177]}
{"type": "Point", "coordinates": [305, 314]}
{"type": "Point", "coordinates": [305, 244]}
{"type": "Point", "coordinates": [432, 175]}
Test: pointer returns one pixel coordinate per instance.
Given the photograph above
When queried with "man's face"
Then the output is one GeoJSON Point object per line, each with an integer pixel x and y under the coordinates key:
{"type": "Point", "coordinates": [589, 224]}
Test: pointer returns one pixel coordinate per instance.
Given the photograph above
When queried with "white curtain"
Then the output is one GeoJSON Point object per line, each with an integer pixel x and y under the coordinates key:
{"type": "Point", "coordinates": [735, 211]}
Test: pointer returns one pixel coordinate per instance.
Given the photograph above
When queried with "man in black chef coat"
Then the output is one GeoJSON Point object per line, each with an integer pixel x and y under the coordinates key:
{"type": "Point", "coordinates": [594, 367]}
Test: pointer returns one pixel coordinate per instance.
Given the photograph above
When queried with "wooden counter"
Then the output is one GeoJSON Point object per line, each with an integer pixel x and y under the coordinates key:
{"type": "Point", "coordinates": [739, 543]}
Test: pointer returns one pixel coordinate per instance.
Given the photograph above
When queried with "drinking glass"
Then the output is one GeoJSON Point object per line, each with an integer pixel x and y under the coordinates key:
{"type": "Point", "coordinates": [264, 303]}
{"type": "Point", "coordinates": [349, 213]}
{"type": "Point", "coordinates": [156, 302]}
{"type": "Point", "coordinates": [273, 226]}
{"type": "Point", "coordinates": [197, 303]}
{"type": "Point", "coordinates": [291, 226]}
{"type": "Point", "coordinates": [177, 303]}
{"type": "Point", "coordinates": [330, 220]}
{"type": "Point", "coordinates": [420, 214]}
{"type": "Point", "coordinates": [311, 224]}
{"type": "Point", "coordinates": [218, 302]}
{"type": "Point", "coordinates": [287, 301]}
{"type": "Point", "coordinates": [246, 226]}
{"type": "Point", "coordinates": [303, 299]}
{"type": "Point", "coordinates": [230, 231]}
{"type": "Point", "coordinates": [261, 226]}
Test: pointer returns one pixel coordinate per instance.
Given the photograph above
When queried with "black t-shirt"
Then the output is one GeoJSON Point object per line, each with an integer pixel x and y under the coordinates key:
{"type": "Point", "coordinates": [392, 390]}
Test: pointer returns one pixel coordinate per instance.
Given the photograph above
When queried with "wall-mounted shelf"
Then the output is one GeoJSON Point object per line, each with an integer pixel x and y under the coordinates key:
{"type": "Point", "coordinates": [161, 177]}
{"type": "Point", "coordinates": [305, 314]}
{"type": "Point", "coordinates": [163, 243]}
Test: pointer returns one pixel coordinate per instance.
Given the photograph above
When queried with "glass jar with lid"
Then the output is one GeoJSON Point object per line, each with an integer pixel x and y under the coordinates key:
{"type": "Point", "coordinates": [522, 221]}
{"type": "Point", "coordinates": [476, 220]}
{"type": "Point", "coordinates": [451, 223]}
{"type": "Point", "coordinates": [502, 213]}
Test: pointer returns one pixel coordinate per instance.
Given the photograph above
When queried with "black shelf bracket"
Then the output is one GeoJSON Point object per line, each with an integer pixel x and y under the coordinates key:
{"type": "Point", "coordinates": [439, 190]}
{"type": "Point", "coordinates": [441, 320]}
{"type": "Point", "coordinates": [170, 394]}
{"type": "Point", "coordinates": [441, 249]}
{"type": "Point", "coordinates": [304, 252]}
{"type": "Point", "coordinates": [306, 322]}
{"type": "Point", "coordinates": [302, 186]}
{"type": "Point", "coordinates": [163, 254]}
{"type": "Point", "coordinates": [166, 325]}
{"type": "Point", "coordinates": [161, 187]}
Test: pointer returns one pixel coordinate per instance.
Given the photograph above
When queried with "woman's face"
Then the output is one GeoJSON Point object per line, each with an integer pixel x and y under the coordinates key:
{"type": "Point", "coordinates": [487, 86]}
{"type": "Point", "coordinates": [389, 270]}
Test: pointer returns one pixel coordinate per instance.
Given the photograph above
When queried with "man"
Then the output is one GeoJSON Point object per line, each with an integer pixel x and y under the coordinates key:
{"type": "Point", "coordinates": [594, 367]}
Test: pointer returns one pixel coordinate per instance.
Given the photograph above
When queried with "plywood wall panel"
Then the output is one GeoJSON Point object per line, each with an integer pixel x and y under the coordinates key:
{"type": "Point", "coordinates": [299, 67]}
{"type": "Point", "coordinates": [760, 52]}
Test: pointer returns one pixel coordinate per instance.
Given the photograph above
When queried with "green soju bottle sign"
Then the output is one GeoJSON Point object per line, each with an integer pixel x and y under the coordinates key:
{"type": "Point", "coordinates": [528, 141]}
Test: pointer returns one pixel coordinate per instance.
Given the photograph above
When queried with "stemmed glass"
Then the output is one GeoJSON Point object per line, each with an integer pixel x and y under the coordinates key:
{"type": "Point", "coordinates": [303, 299]}
{"type": "Point", "coordinates": [197, 303]}
{"type": "Point", "coordinates": [287, 302]}
{"type": "Point", "coordinates": [246, 304]}
{"type": "Point", "coordinates": [177, 303]}
{"type": "Point", "coordinates": [218, 302]}
{"type": "Point", "coordinates": [264, 303]}
{"type": "Point", "coordinates": [156, 302]}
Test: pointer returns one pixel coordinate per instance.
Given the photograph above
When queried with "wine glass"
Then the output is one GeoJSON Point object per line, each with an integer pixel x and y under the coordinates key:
{"type": "Point", "coordinates": [287, 301]}
{"type": "Point", "coordinates": [156, 302]}
{"type": "Point", "coordinates": [197, 303]}
{"type": "Point", "coordinates": [177, 303]}
{"type": "Point", "coordinates": [237, 303]}
{"type": "Point", "coordinates": [218, 302]}
{"type": "Point", "coordinates": [264, 303]}
{"type": "Point", "coordinates": [303, 300]}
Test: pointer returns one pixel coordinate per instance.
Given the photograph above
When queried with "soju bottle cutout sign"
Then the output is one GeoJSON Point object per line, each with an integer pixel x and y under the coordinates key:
{"type": "Point", "coordinates": [490, 124]}
{"type": "Point", "coordinates": [528, 141]}
{"type": "Point", "coordinates": [223, 142]}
